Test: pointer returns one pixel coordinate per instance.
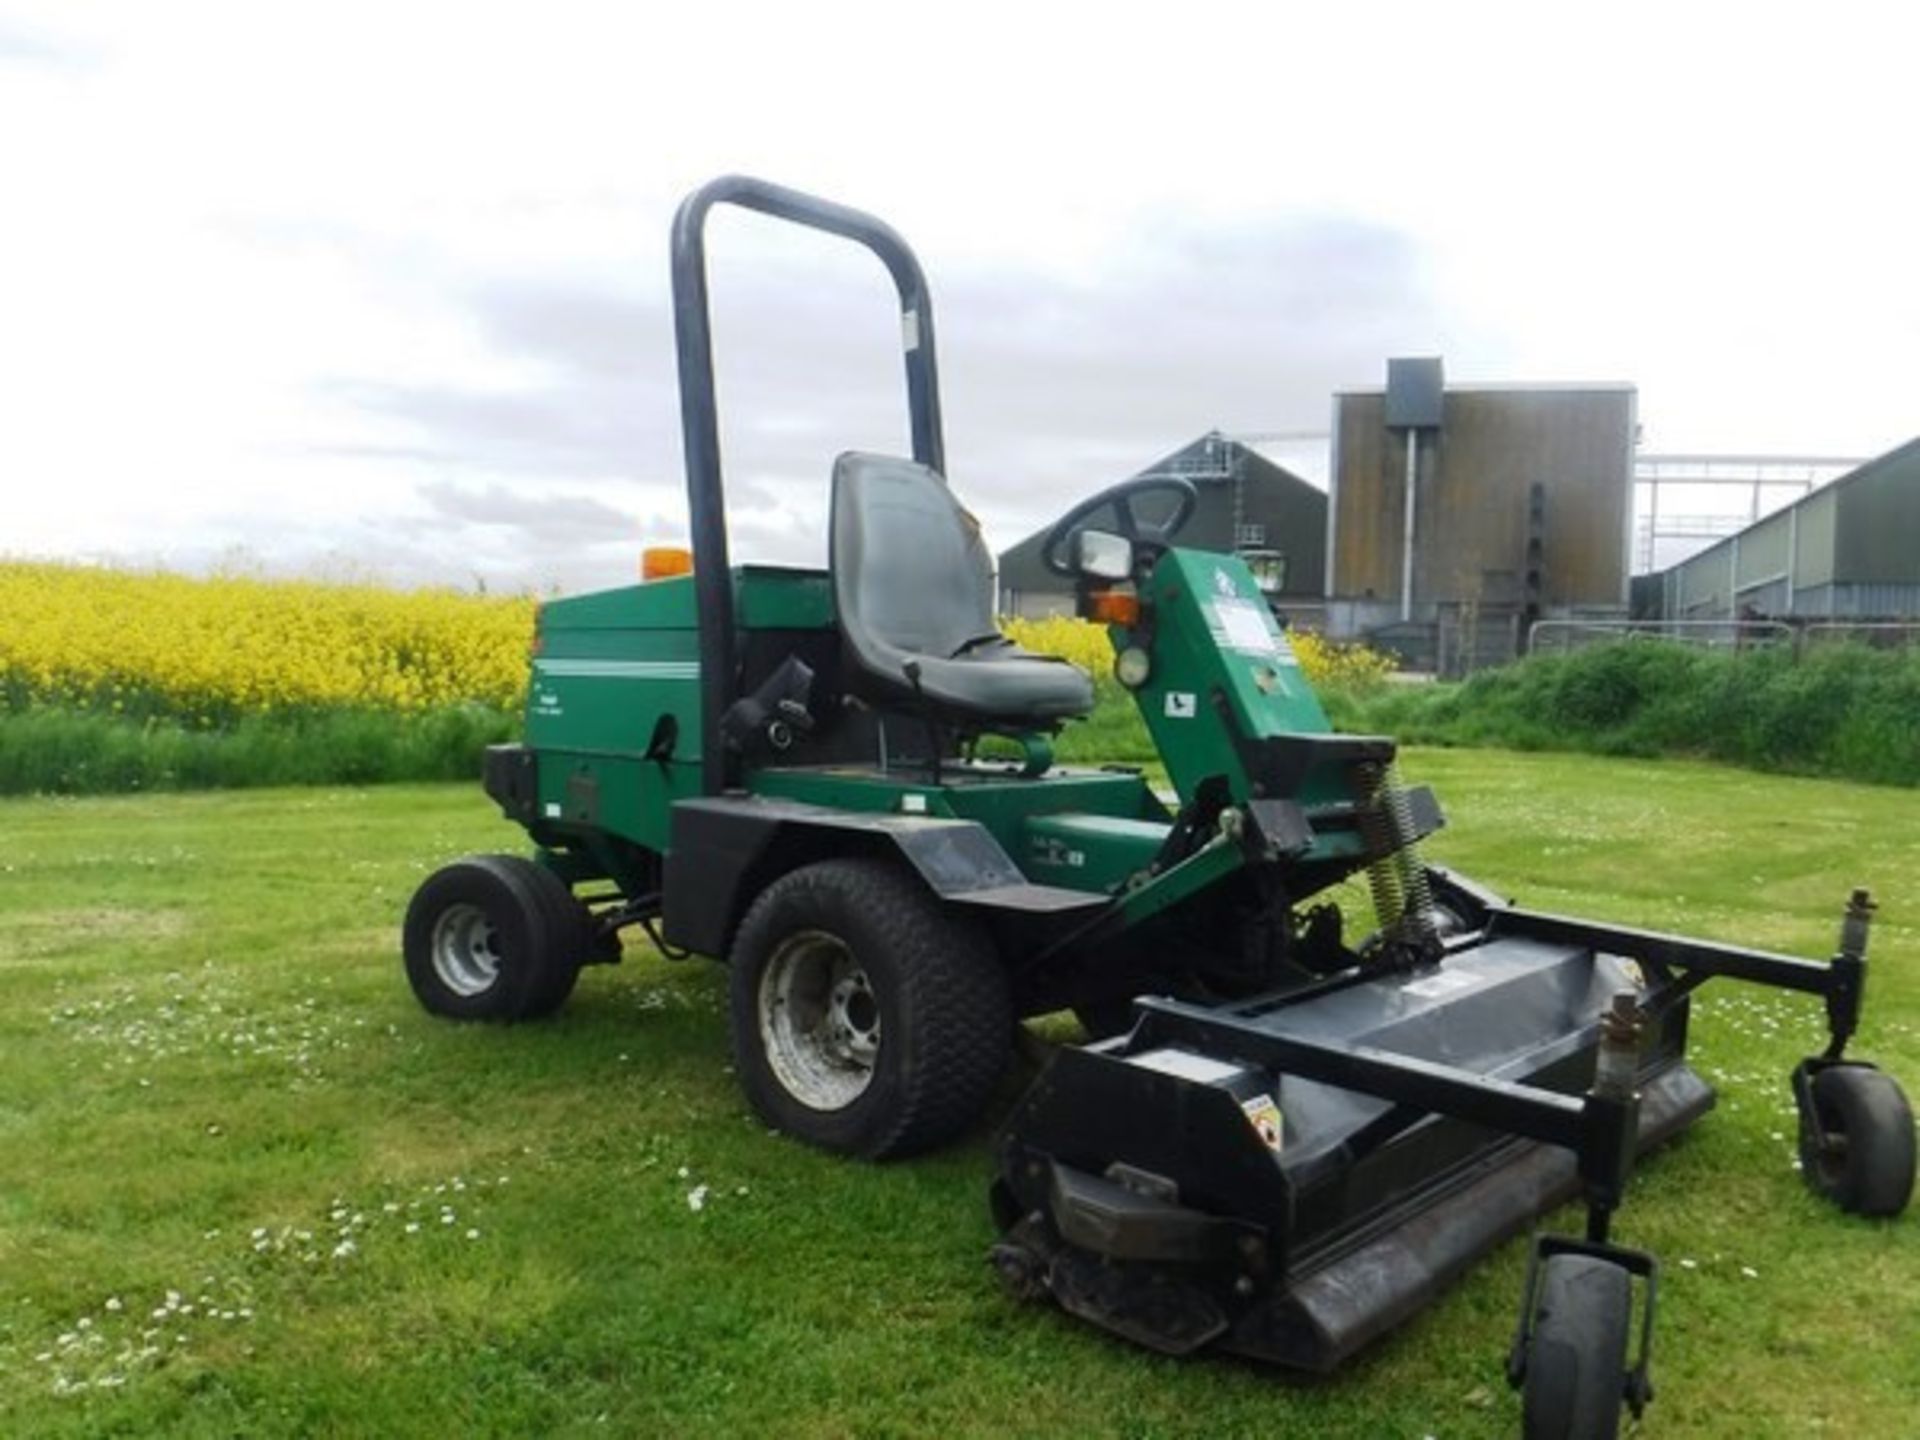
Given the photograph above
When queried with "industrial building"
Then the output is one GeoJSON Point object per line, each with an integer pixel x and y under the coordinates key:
{"type": "Point", "coordinates": [1456, 517]}
{"type": "Point", "coordinates": [1461, 514]}
{"type": "Point", "coordinates": [1850, 549]}
{"type": "Point", "coordinates": [1248, 505]}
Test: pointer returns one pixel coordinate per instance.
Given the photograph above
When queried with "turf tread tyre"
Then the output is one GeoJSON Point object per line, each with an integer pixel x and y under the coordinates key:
{"type": "Point", "coordinates": [569, 940]}
{"type": "Point", "coordinates": [1871, 1173]}
{"type": "Point", "coordinates": [946, 1017]}
{"type": "Point", "coordinates": [541, 930]}
{"type": "Point", "coordinates": [1578, 1355]}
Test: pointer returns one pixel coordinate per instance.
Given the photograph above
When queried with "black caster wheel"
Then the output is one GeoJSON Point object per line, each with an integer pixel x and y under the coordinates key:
{"type": "Point", "coordinates": [1856, 1138]}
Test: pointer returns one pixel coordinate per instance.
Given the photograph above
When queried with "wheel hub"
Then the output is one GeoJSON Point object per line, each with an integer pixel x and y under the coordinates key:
{"type": "Point", "coordinates": [466, 950]}
{"type": "Point", "coordinates": [819, 1020]}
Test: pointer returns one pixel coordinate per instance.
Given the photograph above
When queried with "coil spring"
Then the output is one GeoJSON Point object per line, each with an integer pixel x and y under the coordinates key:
{"type": "Point", "coordinates": [1396, 871]}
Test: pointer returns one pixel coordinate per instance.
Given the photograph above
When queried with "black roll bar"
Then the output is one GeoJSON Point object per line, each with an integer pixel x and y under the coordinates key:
{"type": "Point", "coordinates": [700, 421]}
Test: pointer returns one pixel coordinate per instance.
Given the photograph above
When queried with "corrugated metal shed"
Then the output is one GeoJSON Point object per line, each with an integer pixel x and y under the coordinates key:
{"type": "Point", "coordinates": [1851, 549]}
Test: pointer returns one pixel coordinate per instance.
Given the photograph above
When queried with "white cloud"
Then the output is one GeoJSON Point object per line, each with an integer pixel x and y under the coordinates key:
{"type": "Point", "coordinates": [276, 276]}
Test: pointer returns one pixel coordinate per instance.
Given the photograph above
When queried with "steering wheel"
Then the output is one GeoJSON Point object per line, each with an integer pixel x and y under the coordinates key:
{"type": "Point", "coordinates": [1147, 539]}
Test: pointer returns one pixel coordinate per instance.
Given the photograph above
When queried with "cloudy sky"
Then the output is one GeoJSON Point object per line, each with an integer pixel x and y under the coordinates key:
{"type": "Point", "coordinates": [381, 289]}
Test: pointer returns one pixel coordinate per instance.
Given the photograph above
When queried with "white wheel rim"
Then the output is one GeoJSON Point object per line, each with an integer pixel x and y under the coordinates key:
{"type": "Point", "coordinates": [466, 950]}
{"type": "Point", "coordinates": [819, 1020]}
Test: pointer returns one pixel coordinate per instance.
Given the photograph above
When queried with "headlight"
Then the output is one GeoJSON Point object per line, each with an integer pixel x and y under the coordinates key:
{"type": "Point", "coordinates": [1131, 667]}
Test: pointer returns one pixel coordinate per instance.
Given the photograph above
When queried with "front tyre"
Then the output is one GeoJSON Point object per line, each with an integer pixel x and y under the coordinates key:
{"type": "Point", "coordinates": [493, 937]}
{"type": "Point", "coordinates": [1577, 1362]}
{"type": "Point", "coordinates": [1866, 1165]}
{"type": "Point", "coordinates": [866, 1016]}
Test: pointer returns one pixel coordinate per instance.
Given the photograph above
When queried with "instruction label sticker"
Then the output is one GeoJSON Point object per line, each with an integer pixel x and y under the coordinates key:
{"type": "Point", "coordinates": [1264, 1115]}
{"type": "Point", "coordinates": [1180, 705]}
{"type": "Point", "coordinates": [1245, 626]}
{"type": "Point", "coordinates": [1201, 1069]}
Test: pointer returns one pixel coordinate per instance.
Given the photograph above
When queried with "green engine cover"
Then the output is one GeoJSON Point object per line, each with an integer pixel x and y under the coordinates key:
{"type": "Point", "coordinates": [613, 701]}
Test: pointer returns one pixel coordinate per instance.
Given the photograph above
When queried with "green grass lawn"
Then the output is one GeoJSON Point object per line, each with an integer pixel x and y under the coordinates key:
{"type": "Point", "coordinates": [246, 1186]}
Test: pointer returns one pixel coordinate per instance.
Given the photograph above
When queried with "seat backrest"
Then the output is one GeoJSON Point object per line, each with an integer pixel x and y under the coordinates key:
{"type": "Point", "coordinates": [910, 570]}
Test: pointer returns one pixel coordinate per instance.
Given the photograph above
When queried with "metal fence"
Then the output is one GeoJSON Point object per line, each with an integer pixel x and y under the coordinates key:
{"type": "Point", "coordinates": [1880, 634]}
{"type": "Point", "coordinates": [1561, 637]}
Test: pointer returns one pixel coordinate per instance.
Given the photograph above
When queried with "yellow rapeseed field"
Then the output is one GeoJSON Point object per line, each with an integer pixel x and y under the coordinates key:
{"type": "Point", "coordinates": [211, 651]}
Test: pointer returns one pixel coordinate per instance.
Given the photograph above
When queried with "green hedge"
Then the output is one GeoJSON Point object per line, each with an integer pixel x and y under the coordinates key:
{"type": "Point", "coordinates": [66, 752]}
{"type": "Point", "coordinates": [1846, 711]}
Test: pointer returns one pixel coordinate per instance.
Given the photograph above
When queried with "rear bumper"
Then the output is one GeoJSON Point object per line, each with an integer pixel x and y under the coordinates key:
{"type": "Point", "coordinates": [512, 778]}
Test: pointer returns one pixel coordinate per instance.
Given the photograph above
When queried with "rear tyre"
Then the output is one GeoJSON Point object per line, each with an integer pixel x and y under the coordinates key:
{"type": "Point", "coordinates": [1577, 1361]}
{"type": "Point", "coordinates": [866, 1017]}
{"type": "Point", "coordinates": [1867, 1164]}
{"type": "Point", "coordinates": [493, 937]}
{"type": "Point", "coordinates": [570, 944]}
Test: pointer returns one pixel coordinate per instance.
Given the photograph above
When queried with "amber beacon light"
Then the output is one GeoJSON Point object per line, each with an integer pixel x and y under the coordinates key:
{"type": "Point", "coordinates": [662, 562]}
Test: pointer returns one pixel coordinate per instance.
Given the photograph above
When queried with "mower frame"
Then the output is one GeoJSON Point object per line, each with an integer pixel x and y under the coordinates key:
{"type": "Point", "coordinates": [1601, 1127]}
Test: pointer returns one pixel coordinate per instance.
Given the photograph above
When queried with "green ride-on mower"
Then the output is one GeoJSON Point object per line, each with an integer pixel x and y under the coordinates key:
{"type": "Point", "coordinates": [1292, 1136]}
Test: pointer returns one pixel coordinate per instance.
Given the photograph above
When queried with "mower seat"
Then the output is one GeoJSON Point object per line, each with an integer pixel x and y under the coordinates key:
{"type": "Point", "coordinates": [913, 592]}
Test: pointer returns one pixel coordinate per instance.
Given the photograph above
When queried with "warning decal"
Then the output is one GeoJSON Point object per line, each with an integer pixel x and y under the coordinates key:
{"type": "Point", "coordinates": [1264, 1115]}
